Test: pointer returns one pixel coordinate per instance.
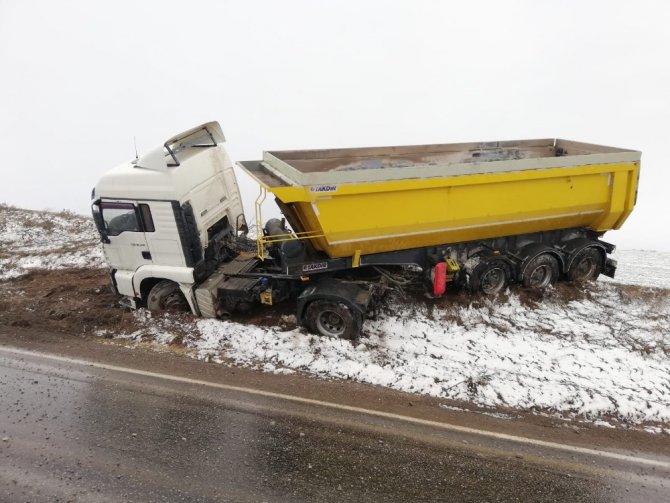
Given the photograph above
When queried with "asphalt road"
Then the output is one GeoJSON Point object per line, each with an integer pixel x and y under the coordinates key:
{"type": "Point", "coordinates": [76, 432]}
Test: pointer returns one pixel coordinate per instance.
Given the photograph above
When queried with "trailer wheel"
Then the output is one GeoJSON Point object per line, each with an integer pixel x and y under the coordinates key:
{"type": "Point", "coordinates": [332, 319]}
{"type": "Point", "coordinates": [490, 277]}
{"type": "Point", "coordinates": [586, 265]}
{"type": "Point", "coordinates": [166, 296]}
{"type": "Point", "coordinates": [540, 272]}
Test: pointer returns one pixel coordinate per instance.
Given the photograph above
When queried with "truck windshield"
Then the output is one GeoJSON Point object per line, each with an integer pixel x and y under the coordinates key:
{"type": "Point", "coordinates": [119, 217]}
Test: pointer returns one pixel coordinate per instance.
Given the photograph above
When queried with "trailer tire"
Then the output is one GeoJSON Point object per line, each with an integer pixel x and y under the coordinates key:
{"type": "Point", "coordinates": [166, 296]}
{"type": "Point", "coordinates": [540, 272]}
{"type": "Point", "coordinates": [332, 319]}
{"type": "Point", "coordinates": [490, 277]}
{"type": "Point", "coordinates": [586, 265]}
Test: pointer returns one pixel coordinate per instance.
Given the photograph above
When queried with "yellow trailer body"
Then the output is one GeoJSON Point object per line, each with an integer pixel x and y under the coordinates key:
{"type": "Point", "coordinates": [371, 200]}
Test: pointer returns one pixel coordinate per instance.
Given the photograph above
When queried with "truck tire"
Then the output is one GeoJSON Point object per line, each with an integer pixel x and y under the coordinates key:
{"type": "Point", "coordinates": [586, 265]}
{"type": "Point", "coordinates": [332, 319]}
{"type": "Point", "coordinates": [540, 272]}
{"type": "Point", "coordinates": [490, 277]}
{"type": "Point", "coordinates": [166, 296]}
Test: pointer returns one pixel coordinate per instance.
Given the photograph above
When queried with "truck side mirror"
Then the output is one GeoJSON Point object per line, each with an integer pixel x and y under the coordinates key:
{"type": "Point", "coordinates": [99, 222]}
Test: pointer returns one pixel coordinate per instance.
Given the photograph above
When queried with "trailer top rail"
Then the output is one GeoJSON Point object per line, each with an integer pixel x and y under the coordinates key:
{"type": "Point", "coordinates": [372, 164]}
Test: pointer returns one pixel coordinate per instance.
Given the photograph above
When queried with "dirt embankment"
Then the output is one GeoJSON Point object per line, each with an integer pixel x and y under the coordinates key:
{"type": "Point", "coordinates": [75, 301]}
{"type": "Point", "coordinates": [80, 301]}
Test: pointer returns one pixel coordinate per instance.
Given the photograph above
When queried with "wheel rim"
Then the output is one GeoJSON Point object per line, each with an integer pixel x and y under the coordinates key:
{"type": "Point", "coordinates": [173, 302]}
{"type": "Point", "coordinates": [330, 323]}
{"type": "Point", "coordinates": [493, 281]}
{"type": "Point", "coordinates": [585, 269]}
{"type": "Point", "coordinates": [541, 276]}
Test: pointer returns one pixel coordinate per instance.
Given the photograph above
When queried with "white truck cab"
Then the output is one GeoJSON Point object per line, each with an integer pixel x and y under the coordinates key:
{"type": "Point", "coordinates": [166, 219]}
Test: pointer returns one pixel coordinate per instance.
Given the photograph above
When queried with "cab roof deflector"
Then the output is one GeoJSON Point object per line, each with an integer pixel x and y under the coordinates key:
{"type": "Point", "coordinates": [205, 135]}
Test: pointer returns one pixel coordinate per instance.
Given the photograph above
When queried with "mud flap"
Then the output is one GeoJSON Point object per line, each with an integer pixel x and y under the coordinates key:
{"type": "Point", "coordinates": [610, 267]}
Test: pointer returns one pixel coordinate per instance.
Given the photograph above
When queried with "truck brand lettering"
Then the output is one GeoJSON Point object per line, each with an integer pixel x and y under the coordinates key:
{"type": "Point", "coordinates": [323, 188]}
{"type": "Point", "coordinates": [316, 266]}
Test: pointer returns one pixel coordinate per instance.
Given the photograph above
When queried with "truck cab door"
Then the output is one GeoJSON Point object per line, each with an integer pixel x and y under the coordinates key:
{"type": "Point", "coordinates": [125, 246]}
{"type": "Point", "coordinates": [161, 233]}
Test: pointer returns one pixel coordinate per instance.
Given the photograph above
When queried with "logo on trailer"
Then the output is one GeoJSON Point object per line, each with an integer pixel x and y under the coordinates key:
{"type": "Point", "coordinates": [316, 266]}
{"type": "Point", "coordinates": [323, 188]}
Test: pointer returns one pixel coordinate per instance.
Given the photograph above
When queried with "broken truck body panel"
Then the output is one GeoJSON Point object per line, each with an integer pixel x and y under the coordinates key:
{"type": "Point", "coordinates": [479, 215]}
{"type": "Point", "coordinates": [372, 200]}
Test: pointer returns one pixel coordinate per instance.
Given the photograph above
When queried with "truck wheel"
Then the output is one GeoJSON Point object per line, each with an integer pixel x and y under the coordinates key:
{"type": "Point", "coordinates": [586, 265]}
{"type": "Point", "coordinates": [332, 319]}
{"type": "Point", "coordinates": [490, 277]}
{"type": "Point", "coordinates": [540, 272]}
{"type": "Point", "coordinates": [166, 296]}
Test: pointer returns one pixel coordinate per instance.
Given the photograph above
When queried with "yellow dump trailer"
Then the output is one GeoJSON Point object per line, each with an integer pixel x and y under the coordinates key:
{"type": "Point", "coordinates": [360, 201]}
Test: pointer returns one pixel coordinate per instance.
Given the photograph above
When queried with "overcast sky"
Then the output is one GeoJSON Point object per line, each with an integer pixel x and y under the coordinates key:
{"type": "Point", "coordinates": [80, 79]}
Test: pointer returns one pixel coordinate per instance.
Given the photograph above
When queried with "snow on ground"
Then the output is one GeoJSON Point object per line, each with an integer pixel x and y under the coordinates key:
{"type": "Point", "coordinates": [642, 267]}
{"type": "Point", "coordinates": [604, 354]}
{"type": "Point", "coordinates": [44, 240]}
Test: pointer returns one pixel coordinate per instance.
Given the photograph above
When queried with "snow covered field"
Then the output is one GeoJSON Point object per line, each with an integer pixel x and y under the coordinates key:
{"type": "Point", "coordinates": [642, 267]}
{"type": "Point", "coordinates": [42, 240]}
{"type": "Point", "coordinates": [597, 353]}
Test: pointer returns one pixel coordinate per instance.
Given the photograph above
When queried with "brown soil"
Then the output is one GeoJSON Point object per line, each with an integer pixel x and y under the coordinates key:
{"type": "Point", "coordinates": [75, 301]}
{"type": "Point", "coordinates": [79, 301]}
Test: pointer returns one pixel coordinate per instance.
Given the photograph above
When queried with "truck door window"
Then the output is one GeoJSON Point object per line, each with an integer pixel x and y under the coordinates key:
{"type": "Point", "coordinates": [147, 219]}
{"type": "Point", "coordinates": [119, 217]}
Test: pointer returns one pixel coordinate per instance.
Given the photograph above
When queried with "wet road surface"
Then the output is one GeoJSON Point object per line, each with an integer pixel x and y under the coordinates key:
{"type": "Point", "coordinates": [71, 432]}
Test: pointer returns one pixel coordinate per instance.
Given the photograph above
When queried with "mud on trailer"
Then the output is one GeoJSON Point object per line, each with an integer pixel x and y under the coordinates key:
{"type": "Point", "coordinates": [479, 215]}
